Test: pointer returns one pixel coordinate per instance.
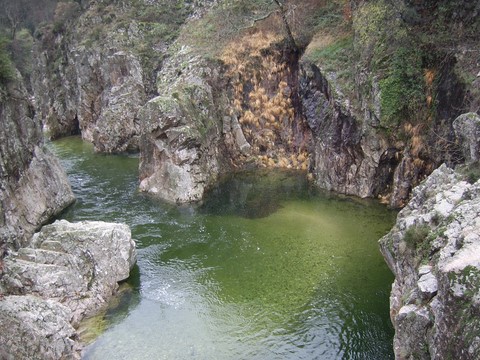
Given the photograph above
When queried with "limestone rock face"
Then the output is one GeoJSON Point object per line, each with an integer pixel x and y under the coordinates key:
{"type": "Point", "coordinates": [434, 252]}
{"type": "Point", "coordinates": [467, 131]}
{"type": "Point", "coordinates": [33, 186]}
{"type": "Point", "coordinates": [93, 90]}
{"type": "Point", "coordinates": [70, 271]}
{"type": "Point", "coordinates": [34, 328]}
{"type": "Point", "coordinates": [349, 158]}
{"type": "Point", "coordinates": [180, 150]}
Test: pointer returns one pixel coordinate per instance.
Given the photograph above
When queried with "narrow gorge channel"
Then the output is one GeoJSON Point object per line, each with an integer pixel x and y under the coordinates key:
{"type": "Point", "coordinates": [266, 268]}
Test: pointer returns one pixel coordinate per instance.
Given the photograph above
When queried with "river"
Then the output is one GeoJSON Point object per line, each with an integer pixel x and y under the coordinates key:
{"type": "Point", "coordinates": [266, 268]}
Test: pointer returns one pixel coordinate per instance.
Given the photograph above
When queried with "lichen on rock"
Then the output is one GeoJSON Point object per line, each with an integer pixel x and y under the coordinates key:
{"type": "Point", "coordinates": [180, 149]}
{"type": "Point", "coordinates": [70, 271]}
{"type": "Point", "coordinates": [435, 295]}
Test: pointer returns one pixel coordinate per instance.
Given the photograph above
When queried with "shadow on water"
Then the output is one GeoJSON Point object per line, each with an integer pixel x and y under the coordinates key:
{"type": "Point", "coordinates": [256, 194]}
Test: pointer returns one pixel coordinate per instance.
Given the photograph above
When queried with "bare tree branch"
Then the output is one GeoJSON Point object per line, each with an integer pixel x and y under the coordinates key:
{"type": "Point", "coordinates": [255, 20]}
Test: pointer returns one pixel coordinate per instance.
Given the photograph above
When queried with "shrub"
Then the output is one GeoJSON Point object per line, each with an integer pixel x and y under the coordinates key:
{"type": "Point", "coordinates": [416, 235]}
{"type": "Point", "coordinates": [403, 89]}
{"type": "Point", "coordinates": [471, 172]}
{"type": "Point", "coordinates": [66, 10]}
{"type": "Point", "coordinates": [21, 48]}
{"type": "Point", "coordinates": [7, 71]}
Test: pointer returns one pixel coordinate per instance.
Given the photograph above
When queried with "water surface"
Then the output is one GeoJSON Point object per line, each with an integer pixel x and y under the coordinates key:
{"type": "Point", "coordinates": [266, 268]}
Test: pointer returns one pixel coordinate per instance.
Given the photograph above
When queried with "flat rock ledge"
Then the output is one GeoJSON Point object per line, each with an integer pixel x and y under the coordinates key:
{"type": "Point", "coordinates": [434, 252]}
{"type": "Point", "coordinates": [69, 272]}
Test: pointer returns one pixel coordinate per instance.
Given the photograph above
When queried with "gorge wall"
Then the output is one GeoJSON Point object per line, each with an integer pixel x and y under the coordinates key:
{"type": "Point", "coordinates": [199, 103]}
{"type": "Point", "coordinates": [363, 98]}
{"type": "Point", "coordinates": [433, 252]}
{"type": "Point", "coordinates": [33, 185]}
{"type": "Point", "coordinates": [51, 276]}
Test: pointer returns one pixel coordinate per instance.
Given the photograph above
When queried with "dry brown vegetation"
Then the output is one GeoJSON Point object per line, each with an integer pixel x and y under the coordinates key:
{"type": "Point", "coordinates": [262, 100]}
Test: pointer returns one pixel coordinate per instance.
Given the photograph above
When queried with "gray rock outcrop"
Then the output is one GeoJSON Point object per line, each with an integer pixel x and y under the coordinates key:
{"type": "Point", "coordinates": [34, 328]}
{"type": "Point", "coordinates": [70, 271]}
{"type": "Point", "coordinates": [33, 185]}
{"type": "Point", "coordinates": [348, 158]}
{"type": "Point", "coordinates": [467, 132]}
{"type": "Point", "coordinates": [180, 149]}
{"type": "Point", "coordinates": [95, 93]}
{"type": "Point", "coordinates": [434, 252]}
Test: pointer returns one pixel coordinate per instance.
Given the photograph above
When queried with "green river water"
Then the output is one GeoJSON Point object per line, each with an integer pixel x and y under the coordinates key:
{"type": "Point", "coordinates": [266, 268]}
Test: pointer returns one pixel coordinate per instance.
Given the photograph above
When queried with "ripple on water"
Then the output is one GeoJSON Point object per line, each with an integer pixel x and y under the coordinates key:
{"type": "Point", "coordinates": [266, 269]}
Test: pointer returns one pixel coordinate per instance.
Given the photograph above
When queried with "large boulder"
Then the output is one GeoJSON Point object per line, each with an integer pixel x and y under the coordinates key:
{"type": "Point", "coordinates": [180, 149]}
{"type": "Point", "coordinates": [78, 264]}
{"type": "Point", "coordinates": [434, 252]}
{"type": "Point", "coordinates": [70, 271]}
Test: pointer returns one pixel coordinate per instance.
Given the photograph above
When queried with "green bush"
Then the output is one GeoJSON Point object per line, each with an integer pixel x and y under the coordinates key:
{"type": "Point", "coordinates": [334, 55]}
{"type": "Point", "coordinates": [416, 235]}
{"type": "Point", "coordinates": [471, 172]}
{"type": "Point", "coordinates": [65, 11]}
{"type": "Point", "coordinates": [7, 71]}
{"type": "Point", "coordinates": [21, 53]}
{"type": "Point", "coordinates": [403, 89]}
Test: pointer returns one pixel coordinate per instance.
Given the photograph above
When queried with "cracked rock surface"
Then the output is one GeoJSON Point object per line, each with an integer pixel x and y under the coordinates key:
{"type": "Point", "coordinates": [69, 271]}
{"type": "Point", "coordinates": [434, 252]}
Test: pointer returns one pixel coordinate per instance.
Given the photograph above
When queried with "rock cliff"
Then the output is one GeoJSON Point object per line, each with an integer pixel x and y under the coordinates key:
{"type": "Point", "coordinates": [146, 70]}
{"type": "Point", "coordinates": [33, 186]}
{"type": "Point", "coordinates": [52, 279]}
{"type": "Point", "coordinates": [87, 90]}
{"type": "Point", "coordinates": [348, 157]}
{"type": "Point", "coordinates": [381, 98]}
{"type": "Point", "coordinates": [97, 65]}
{"type": "Point", "coordinates": [433, 250]}
{"type": "Point", "coordinates": [181, 153]}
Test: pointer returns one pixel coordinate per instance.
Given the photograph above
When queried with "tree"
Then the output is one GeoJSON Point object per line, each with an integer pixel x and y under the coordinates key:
{"type": "Point", "coordinates": [283, 14]}
{"type": "Point", "coordinates": [17, 14]}
{"type": "Point", "coordinates": [14, 12]}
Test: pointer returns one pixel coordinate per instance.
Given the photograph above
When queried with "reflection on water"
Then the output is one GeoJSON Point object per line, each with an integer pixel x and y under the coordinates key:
{"type": "Point", "coordinates": [266, 268]}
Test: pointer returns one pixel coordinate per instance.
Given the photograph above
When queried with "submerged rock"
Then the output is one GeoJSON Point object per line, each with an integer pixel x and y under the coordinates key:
{"type": "Point", "coordinates": [71, 270]}
{"type": "Point", "coordinates": [434, 252]}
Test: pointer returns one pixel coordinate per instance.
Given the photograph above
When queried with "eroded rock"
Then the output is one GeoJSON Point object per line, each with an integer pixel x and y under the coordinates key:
{"type": "Point", "coordinates": [70, 271]}
{"type": "Point", "coordinates": [433, 251]}
{"type": "Point", "coordinates": [180, 151]}
{"type": "Point", "coordinates": [33, 185]}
